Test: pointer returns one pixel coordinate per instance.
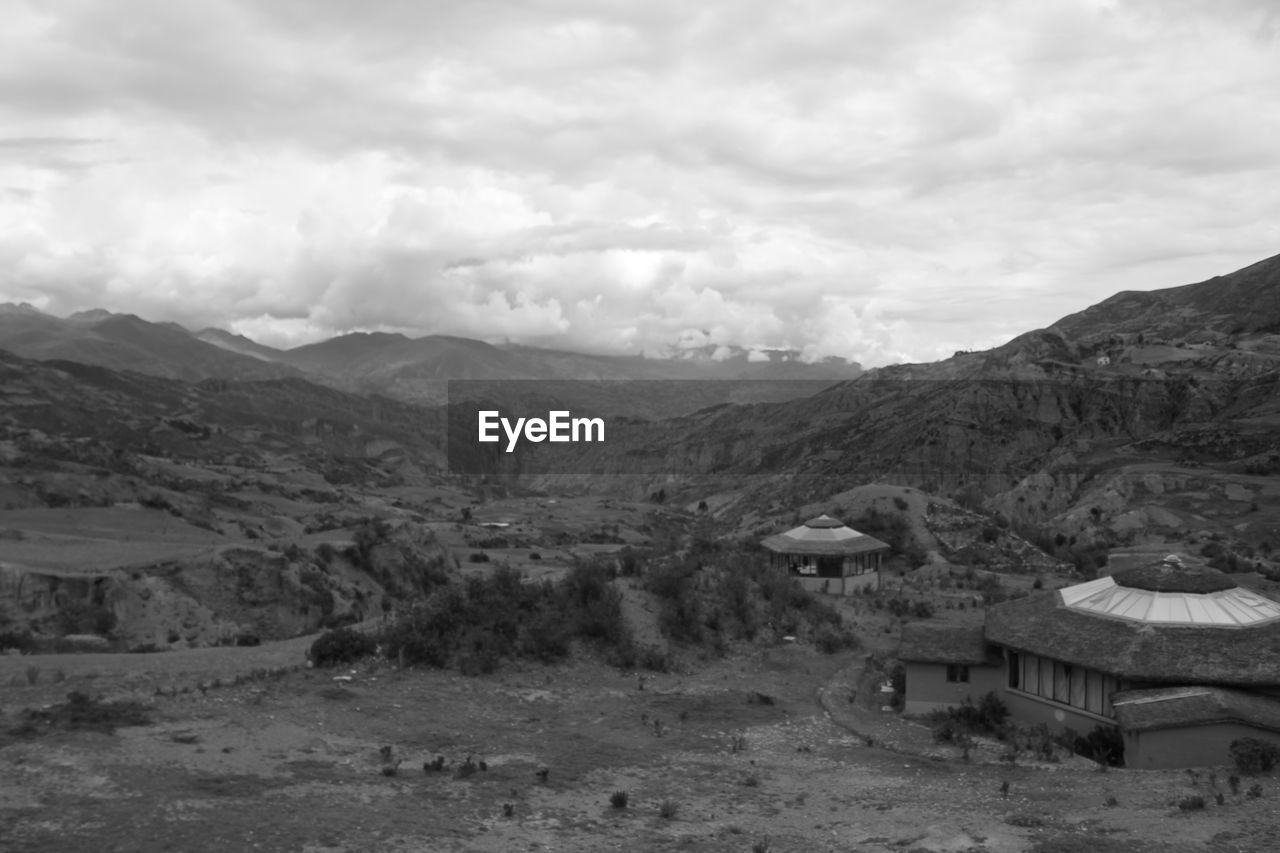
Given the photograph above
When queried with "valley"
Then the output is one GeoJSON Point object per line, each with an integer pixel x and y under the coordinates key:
{"type": "Point", "coordinates": [183, 515]}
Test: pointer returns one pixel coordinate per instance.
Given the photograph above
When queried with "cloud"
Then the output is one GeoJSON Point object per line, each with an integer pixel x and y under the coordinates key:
{"type": "Point", "coordinates": [874, 181]}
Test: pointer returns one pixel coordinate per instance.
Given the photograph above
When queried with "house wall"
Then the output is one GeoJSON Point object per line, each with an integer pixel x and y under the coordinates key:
{"type": "Point", "coordinates": [815, 584]}
{"type": "Point", "coordinates": [1188, 746]}
{"type": "Point", "coordinates": [853, 583]}
{"type": "Point", "coordinates": [929, 690]}
{"type": "Point", "coordinates": [1032, 711]}
{"type": "Point", "coordinates": [839, 586]}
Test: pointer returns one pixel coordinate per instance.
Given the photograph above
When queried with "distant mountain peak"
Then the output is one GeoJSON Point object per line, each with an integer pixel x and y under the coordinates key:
{"type": "Point", "coordinates": [20, 308]}
{"type": "Point", "coordinates": [92, 315]}
{"type": "Point", "coordinates": [232, 342]}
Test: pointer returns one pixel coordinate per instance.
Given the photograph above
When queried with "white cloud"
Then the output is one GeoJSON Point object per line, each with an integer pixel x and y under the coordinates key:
{"type": "Point", "coordinates": [875, 181]}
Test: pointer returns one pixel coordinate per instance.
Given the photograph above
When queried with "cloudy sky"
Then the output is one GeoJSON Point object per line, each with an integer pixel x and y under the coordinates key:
{"type": "Point", "coordinates": [882, 181]}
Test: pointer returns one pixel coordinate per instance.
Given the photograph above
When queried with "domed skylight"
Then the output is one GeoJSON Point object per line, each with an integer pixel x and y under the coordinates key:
{"type": "Point", "coordinates": [1169, 594]}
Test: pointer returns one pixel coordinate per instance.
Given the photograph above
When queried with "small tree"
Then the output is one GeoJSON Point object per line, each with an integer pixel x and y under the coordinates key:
{"type": "Point", "coordinates": [1252, 755]}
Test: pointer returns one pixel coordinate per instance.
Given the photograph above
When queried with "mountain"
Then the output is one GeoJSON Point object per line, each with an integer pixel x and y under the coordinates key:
{"type": "Point", "coordinates": [1144, 420]}
{"type": "Point", "coordinates": [419, 370]}
{"type": "Point", "coordinates": [411, 369]}
{"type": "Point", "coordinates": [127, 342]}
{"type": "Point", "coordinates": [1245, 301]}
{"type": "Point", "coordinates": [238, 344]}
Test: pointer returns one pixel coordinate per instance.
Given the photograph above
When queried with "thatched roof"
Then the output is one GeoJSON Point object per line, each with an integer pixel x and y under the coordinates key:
{"type": "Point", "coordinates": [1042, 624]}
{"type": "Point", "coordinates": [923, 643]}
{"type": "Point", "coordinates": [823, 536]}
{"type": "Point", "coordinates": [1172, 707]}
{"type": "Point", "coordinates": [1172, 575]}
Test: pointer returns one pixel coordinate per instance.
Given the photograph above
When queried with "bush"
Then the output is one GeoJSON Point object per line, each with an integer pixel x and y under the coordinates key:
{"type": "Point", "coordinates": [1104, 745]}
{"type": "Point", "coordinates": [1191, 804]}
{"type": "Point", "coordinates": [668, 809]}
{"type": "Point", "coordinates": [830, 639]}
{"type": "Point", "coordinates": [23, 641]}
{"type": "Point", "coordinates": [476, 624]}
{"type": "Point", "coordinates": [954, 725]}
{"type": "Point", "coordinates": [618, 799]}
{"type": "Point", "coordinates": [344, 645]}
{"type": "Point", "coordinates": [1253, 756]}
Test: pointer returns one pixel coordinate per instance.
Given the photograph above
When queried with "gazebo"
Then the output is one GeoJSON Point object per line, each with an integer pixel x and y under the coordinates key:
{"type": "Point", "coordinates": [826, 556]}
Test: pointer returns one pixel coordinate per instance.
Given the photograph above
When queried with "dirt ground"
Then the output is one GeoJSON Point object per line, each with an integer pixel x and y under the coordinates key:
{"type": "Point", "coordinates": [761, 751]}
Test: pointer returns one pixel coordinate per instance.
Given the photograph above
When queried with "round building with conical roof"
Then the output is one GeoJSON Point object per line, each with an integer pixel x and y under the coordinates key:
{"type": "Point", "coordinates": [825, 555]}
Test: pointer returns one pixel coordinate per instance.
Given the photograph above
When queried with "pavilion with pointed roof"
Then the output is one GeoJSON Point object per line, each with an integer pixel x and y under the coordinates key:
{"type": "Point", "coordinates": [1182, 660]}
{"type": "Point", "coordinates": [825, 555]}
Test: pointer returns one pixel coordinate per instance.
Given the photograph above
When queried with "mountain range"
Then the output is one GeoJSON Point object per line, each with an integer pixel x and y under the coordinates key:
{"type": "Point", "coordinates": [1187, 374]}
{"type": "Point", "coordinates": [394, 365]}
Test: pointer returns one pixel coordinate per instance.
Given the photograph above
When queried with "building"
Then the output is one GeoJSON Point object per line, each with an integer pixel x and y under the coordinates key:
{"type": "Point", "coordinates": [826, 556]}
{"type": "Point", "coordinates": [946, 665]}
{"type": "Point", "coordinates": [1181, 660]}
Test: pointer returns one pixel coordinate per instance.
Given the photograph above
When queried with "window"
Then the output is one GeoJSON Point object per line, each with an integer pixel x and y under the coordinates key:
{"type": "Point", "coordinates": [1056, 681]}
{"type": "Point", "coordinates": [957, 672]}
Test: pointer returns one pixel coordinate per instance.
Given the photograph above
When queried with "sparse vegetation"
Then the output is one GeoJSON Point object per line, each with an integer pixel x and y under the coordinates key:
{"type": "Point", "coordinates": [82, 712]}
{"type": "Point", "coordinates": [955, 725]}
{"type": "Point", "coordinates": [477, 623]}
{"type": "Point", "coordinates": [1253, 755]}
{"type": "Point", "coordinates": [341, 646]}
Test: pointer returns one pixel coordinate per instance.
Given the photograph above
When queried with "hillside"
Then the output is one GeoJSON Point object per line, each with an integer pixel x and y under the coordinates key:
{"type": "Point", "coordinates": [1147, 419]}
{"type": "Point", "coordinates": [1246, 301]}
{"type": "Point", "coordinates": [127, 342]}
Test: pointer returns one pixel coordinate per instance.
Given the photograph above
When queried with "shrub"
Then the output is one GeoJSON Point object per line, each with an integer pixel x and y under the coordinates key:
{"type": "Point", "coordinates": [478, 557]}
{"type": "Point", "coordinates": [1192, 803]}
{"type": "Point", "coordinates": [23, 641]}
{"type": "Point", "coordinates": [344, 645]}
{"type": "Point", "coordinates": [668, 809]}
{"type": "Point", "coordinates": [476, 624]}
{"type": "Point", "coordinates": [1104, 745]}
{"type": "Point", "coordinates": [618, 799]}
{"type": "Point", "coordinates": [830, 639]}
{"type": "Point", "coordinates": [1253, 756]}
{"type": "Point", "coordinates": [954, 725]}
{"type": "Point", "coordinates": [654, 659]}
